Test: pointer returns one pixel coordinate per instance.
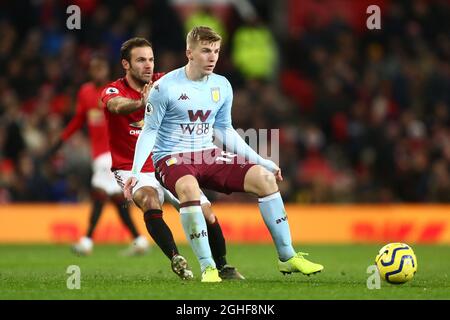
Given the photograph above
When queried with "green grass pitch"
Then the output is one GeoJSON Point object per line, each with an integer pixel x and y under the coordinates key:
{"type": "Point", "coordinates": [39, 272]}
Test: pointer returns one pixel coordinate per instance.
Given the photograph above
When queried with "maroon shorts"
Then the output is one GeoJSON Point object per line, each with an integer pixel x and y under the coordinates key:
{"type": "Point", "coordinates": [214, 169]}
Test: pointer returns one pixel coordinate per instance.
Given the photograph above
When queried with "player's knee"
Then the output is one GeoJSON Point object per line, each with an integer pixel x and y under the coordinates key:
{"type": "Point", "coordinates": [188, 192]}
{"type": "Point", "coordinates": [269, 185]}
{"type": "Point", "coordinates": [147, 199]}
{"type": "Point", "coordinates": [265, 182]}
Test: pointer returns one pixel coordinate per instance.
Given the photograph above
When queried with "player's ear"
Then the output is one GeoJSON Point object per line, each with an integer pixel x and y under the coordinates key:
{"type": "Point", "coordinates": [189, 54]}
{"type": "Point", "coordinates": [125, 64]}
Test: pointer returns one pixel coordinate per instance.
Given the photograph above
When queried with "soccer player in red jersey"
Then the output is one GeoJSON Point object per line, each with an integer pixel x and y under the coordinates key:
{"type": "Point", "coordinates": [89, 111]}
{"type": "Point", "coordinates": [124, 110]}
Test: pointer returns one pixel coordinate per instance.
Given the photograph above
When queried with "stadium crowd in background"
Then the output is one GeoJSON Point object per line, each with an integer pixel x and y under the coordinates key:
{"type": "Point", "coordinates": [364, 115]}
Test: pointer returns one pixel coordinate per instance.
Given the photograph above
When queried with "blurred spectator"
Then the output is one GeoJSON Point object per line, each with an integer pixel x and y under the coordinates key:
{"type": "Point", "coordinates": [254, 50]}
{"type": "Point", "coordinates": [203, 16]}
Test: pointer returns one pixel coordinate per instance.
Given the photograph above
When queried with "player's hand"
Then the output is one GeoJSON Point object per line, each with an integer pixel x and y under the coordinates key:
{"type": "Point", "coordinates": [277, 172]}
{"type": "Point", "coordinates": [144, 93]}
{"type": "Point", "coordinates": [128, 188]}
{"type": "Point", "coordinates": [272, 167]}
{"type": "Point", "coordinates": [278, 175]}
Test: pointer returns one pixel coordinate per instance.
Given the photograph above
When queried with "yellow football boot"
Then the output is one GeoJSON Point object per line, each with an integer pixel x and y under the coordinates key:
{"type": "Point", "coordinates": [299, 264]}
{"type": "Point", "coordinates": [211, 274]}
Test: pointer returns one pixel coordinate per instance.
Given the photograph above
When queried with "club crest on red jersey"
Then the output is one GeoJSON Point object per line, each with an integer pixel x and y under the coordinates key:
{"type": "Point", "coordinates": [111, 90]}
{"type": "Point", "coordinates": [137, 124]}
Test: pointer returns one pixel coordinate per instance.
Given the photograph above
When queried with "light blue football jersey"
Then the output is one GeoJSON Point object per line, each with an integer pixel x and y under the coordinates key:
{"type": "Point", "coordinates": [181, 116]}
{"type": "Point", "coordinates": [185, 112]}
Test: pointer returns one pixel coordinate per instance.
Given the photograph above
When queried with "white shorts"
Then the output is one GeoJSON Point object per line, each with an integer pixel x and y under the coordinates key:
{"type": "Point", "coordinates": [148, 179]}
{"type": "Point", "coordinates": [102, 177]}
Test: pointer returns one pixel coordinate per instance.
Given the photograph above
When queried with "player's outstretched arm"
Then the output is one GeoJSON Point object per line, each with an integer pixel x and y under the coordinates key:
{"type": "Point", "coordinates": [121, 105]}
{"type": "Point", "coordinates": [232, 141]}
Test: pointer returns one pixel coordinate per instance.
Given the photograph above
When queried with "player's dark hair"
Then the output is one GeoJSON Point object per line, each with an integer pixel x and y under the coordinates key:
{"type": "Point", "coordinates": [127, 46]}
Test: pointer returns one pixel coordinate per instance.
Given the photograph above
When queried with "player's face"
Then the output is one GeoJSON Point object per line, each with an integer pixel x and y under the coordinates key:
{"type": "Point", "coordinates": [99, 70]}
{"type": "Point", "coordinates": [204, 57]}
{"type": "Point", "coordinates": [142, 64]}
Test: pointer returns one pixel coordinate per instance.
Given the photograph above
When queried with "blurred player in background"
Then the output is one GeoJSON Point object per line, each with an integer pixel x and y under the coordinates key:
{"type": "Point", "coordinates": [124, 102]}
{"type": "Point", "coordinates": [89, 111]}
{"type": "Point", "coordinates": [180, 130]}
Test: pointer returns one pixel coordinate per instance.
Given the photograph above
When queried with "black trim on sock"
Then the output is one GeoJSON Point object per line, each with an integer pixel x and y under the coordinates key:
{"type": "Point", "coordinates": [190, 203]}
{"type": "Point", "coordinates": [160, 232]}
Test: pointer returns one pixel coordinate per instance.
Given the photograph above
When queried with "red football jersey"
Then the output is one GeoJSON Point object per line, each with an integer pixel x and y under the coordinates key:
{"type": "Point", "coordinates": [89, 110]}
{"type": "Point", "coordinates": [124, 129]}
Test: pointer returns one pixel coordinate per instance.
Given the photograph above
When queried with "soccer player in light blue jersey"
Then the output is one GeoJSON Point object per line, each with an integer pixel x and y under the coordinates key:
{"type": "Point", "coordinates": [185, 109]}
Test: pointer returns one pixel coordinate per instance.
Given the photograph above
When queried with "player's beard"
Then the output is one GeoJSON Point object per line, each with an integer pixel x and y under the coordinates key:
{"type": "Point", "coordinates": [138, 79]}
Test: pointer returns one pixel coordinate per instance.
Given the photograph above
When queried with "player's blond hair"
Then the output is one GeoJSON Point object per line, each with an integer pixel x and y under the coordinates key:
{"type": "Point", "coordinates": [200, 34]}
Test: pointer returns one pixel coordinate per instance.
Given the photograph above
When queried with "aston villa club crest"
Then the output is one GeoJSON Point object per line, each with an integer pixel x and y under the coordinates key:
{"type": "Point", "coordinates": [215, 94]}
